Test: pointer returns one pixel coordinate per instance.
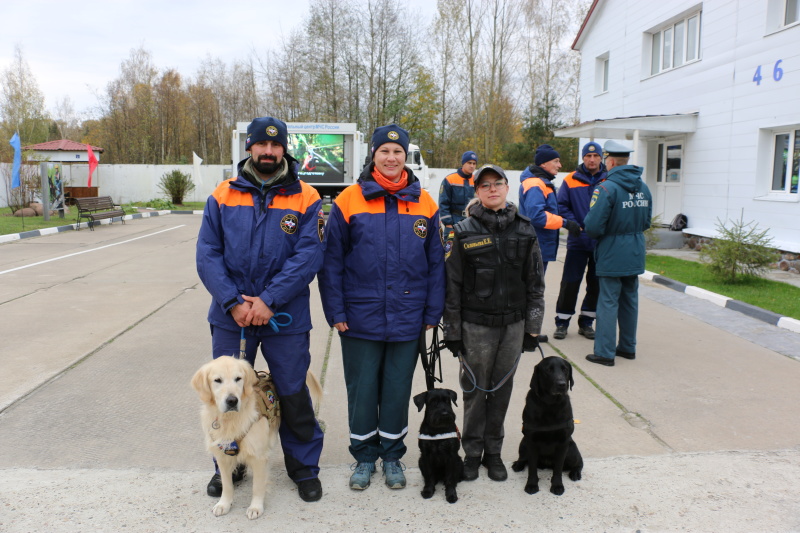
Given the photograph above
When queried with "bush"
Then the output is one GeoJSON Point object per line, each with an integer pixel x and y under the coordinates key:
{"type": "Point", "coordinates": [739, 251]}
{"type": "Point", "coordinates": [175, 185]}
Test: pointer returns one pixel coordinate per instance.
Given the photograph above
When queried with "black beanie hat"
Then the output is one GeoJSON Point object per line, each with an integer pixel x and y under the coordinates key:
{"type": "Point", "coordinates": [390, 134]}
{"type": "Point", "coordinates": [544, 154]}
{"type": "Point", "coordinates": [267, 129]}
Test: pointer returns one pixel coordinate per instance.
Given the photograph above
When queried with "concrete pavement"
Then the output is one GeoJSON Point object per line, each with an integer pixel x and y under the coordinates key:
{"type": "Point", "coordinates": [100, 430]}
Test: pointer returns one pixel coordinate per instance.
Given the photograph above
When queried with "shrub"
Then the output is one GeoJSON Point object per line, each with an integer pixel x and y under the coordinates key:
{"type": "Point", "coordinates": [740, 251]}
{"type": "Point", "coordinates": [651, 238]}
{"type": "Point", "coordinates": [175, 185]}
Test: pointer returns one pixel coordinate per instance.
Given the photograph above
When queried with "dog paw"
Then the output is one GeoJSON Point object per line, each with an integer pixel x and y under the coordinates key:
{"type": "Point", "coordinates": [558, 490]}
{"type": "Point", "coordinates": [575, 475]}
{"type": "Point", "coordinates": [518, 466]}
{"type": "Point", "coordinates": [221, 509]}
{"type": "Point", "coordinates": [427, 493]}
{"type": "Point", "coordinates": [452, 497]}
{"type": "Point", "coordinates": [530, 488]}
{"type": "Point", "coordinates": [254, 512]}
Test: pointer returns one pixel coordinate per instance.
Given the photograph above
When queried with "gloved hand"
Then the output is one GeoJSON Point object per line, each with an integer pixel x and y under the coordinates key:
{"type": "Point", "coordinates": [457, 347]}
{"type": "Point", "coordinates": [529, 343]}
{"type": "Point", "coordinates": [573, 227]}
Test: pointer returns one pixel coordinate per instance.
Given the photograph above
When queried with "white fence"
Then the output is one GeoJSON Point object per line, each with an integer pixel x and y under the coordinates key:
{"type": "Point", "coordinates": [139, 183]}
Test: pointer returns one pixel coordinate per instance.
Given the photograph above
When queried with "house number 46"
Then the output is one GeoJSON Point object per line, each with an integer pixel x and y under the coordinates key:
{"type": "Point", "coordinates": [777, 73]}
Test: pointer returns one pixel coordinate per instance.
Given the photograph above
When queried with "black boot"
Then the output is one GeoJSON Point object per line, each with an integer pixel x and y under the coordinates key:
{"type": "Point", "coordinates": [497, 470]}
{"type": "Point", "coordinates": [214, 488]}
{"type": "Point", "coordinates": [471, 467]}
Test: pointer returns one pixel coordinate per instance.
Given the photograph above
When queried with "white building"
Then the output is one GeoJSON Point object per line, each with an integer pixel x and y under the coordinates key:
{"type": "Point", "coordinates": [708, 95]}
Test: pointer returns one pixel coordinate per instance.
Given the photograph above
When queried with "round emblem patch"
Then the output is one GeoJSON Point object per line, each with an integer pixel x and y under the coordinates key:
{"type": "Point", "coordinates": [393, 135]}
{"type": "Point", "coordinates": [272, 131]}
{"type": "Point", "coordinates": [289, 224]}
{"type": "Point", "coordinates": [421, 228]}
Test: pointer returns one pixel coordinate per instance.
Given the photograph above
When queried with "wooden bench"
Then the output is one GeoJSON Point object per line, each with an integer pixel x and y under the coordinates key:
{"type": "Point", "coordinates": [97, 208]}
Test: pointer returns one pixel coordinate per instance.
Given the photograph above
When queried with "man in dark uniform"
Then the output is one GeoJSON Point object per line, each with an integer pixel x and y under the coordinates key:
{"type": "Point", "coordinates": [619, 213]}
{"type": "Point", "coordinates": [456, 191]}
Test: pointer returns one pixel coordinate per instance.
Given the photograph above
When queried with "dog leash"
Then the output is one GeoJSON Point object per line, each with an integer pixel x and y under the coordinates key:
{"type": "Point", "coordinates": [273, 323]}
{"type": "Point", "coordinates": [465, 370]}
{"type": "Point", "coordinates": [430, 356]}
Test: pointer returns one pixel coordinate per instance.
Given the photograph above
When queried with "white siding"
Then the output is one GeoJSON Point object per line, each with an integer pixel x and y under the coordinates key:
{"type": "Point", "coordinates": [723, 173]}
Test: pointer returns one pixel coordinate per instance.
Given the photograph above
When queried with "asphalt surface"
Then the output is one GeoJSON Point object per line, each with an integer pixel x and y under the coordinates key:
{"type": "Point", "coordinates": [101, 332]}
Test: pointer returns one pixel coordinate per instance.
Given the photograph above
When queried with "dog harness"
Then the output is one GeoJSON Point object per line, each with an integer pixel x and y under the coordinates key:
{"type": "Point", "coordinates": [268, 407]}
{"type": "Point", "coordinates": [441, 436]}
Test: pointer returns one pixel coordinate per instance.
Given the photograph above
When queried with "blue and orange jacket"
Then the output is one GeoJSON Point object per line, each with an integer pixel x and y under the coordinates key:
{"type": "Point", "coordinates": [456, 191]}
{"type": "Point", "coordinates": [384, 270]}
{"type": "Point", "coordinates": [537, 201]}
{"type": "Point", "coordinates": [574, 195]}
{"type": "Point", "coordinates": [265, 243]}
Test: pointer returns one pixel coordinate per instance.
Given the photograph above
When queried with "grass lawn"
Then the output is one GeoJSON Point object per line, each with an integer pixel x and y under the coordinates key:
{"type": "Point", "coordinates": [781, 298]}
{"type": "Point", "coordinates": [12, 224]}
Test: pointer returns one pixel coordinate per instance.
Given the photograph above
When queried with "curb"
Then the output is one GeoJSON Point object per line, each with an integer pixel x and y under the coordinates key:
{"type": "Point", "coordinates": [752, 311]}
{"type": "Point", "coordinates": [73, 227]}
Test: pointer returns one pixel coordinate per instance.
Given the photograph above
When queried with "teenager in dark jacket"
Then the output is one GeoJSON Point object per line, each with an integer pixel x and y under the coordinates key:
{"type": "Point", "coordinates": [620, 212]}
{"type": "Point", "coordinates": [494, 309]}
{"type": "Point", "coordinates": [381, 284]}
{"type": "Point", "coordinates": [574, 195]}
{"type": "Point", "coordinates": [259, 247]}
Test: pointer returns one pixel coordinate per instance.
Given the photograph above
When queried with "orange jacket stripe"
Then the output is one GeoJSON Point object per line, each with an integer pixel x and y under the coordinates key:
{"type": "Point", "coordinates": [457, 181]}
{"type": "Point", "coordinates": [225, 195]}
{"type": "Point", "coordinates": [553, 221]}
{"type": "Point", "coordinates": [296, 202]}
{"type": "Point", "coordinates": [351, 202]}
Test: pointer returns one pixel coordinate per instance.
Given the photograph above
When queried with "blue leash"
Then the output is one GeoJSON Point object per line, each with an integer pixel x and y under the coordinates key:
{"type": "Point", "coordinates": [273, 323]}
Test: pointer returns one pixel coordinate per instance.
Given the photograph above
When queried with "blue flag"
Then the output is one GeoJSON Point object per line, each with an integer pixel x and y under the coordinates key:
{"type": "Point", "coordinates": [14, 142]}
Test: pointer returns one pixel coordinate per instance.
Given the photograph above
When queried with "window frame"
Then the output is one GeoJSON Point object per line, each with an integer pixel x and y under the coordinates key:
{"type": "Point", "coordinates": [602, 69]}
{"type": "Point", "coordinates": [661, 41]}
{"type": "Point", "coordinates": [793, 147]}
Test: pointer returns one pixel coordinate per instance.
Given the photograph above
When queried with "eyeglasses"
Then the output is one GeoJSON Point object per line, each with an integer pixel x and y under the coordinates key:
{"type": "Point", "coordinates": [486, 185]}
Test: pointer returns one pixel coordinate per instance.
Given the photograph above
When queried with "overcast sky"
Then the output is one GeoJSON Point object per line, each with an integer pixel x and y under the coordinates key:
{"type": "Point", "coordinates": [75, 48]}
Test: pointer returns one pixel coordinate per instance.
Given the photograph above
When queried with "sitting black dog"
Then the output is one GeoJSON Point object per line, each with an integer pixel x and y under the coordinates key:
{"type": "Point", "coordinates": [439, 442]}
{"type": "Point", "coordinates": [547, 427]}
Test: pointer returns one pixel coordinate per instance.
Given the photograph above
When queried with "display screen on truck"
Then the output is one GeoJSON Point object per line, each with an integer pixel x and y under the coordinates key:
{"type": "Point", "coordinates": [321, 156]}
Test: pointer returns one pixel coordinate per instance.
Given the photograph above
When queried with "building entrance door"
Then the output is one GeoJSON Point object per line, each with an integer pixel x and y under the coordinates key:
{"type": "Point", "coordinates": [669, 181]}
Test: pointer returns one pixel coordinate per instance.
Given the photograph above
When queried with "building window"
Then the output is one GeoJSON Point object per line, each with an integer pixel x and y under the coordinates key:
{"type": "Point", "coordinates": [786, 162]}
{"type": "Point", "coordinates": [601, 74]}
{"type": "Point", "coordinates": [791, 12]}
{"type": "Point", "coordinates": [676, 44]}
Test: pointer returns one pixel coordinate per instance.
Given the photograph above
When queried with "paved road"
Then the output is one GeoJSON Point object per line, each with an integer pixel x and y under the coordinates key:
{"type": "Point", "coordinates": [102, 331]}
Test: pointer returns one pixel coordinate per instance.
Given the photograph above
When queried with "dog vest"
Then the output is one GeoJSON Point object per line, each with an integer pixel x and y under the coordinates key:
{"type": "Point", "coordinates": [441, 436]}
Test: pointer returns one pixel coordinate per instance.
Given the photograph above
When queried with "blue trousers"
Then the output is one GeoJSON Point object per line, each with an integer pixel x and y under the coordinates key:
{"type": "Point", "coordinates": [618, 303]}
{"type": "Point", "coordinates": [575, 264]}
{"type": "Point", "coordinates": [378, 377]}
{"type": "Point", "coordinates": [288, 358]}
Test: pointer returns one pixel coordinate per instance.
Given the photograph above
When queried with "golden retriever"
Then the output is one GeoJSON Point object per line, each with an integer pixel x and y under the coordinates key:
{"type": "Point", "coordinates": [230, 413]}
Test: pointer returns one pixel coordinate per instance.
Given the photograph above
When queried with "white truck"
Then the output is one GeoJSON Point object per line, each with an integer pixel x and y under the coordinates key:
{"type": "Point", "coordinates": [331, 155]}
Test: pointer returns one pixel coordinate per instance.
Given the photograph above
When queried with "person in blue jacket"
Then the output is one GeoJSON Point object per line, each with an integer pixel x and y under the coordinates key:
{"type": "Point", "coordinates": [382, 284]}
{"type": "Point", "coordinates": [259, 248]}
{"type": "Point", "coordinates": [574, 195]}
{"type": "Point", "coordinates": [456, 191]}
{"type": "Point", "coordinates": [537, 201]}
{"type": "Point", "coordinates": [619, 213]}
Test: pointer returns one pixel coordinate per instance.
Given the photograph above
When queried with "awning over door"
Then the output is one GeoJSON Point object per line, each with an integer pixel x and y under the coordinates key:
{"type": "Point", "coordinates": [632, 127]}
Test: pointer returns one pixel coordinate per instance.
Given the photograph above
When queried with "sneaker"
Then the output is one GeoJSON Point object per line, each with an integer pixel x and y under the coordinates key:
{"type": "Point", "coordinates": [561, 332]}
{"type": "Point", "coordinates": [586, 331]}
{"type": "Point", "coordinates": [393, 471]}
{"type": "Point", "coordinates": [600, 360]}
{"type": "Point", "coordinates": [471, 467]}
{"type": "Point", "coordinates": [361, 475]}
{"type": "Point", "coordinates": [214, 488]}
{"type": "Point", "coordinates": [310, 490]}
{"type": "Point", "coordinates": [626, 355]}
{"type": "Point", "coordinates": [497, 470]}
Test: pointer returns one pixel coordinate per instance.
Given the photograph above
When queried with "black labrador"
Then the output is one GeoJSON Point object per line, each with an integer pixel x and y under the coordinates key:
{"type": "Point", "coordinates": [547, 427]}
{"type": "Point", "coordinates": [439, 442]}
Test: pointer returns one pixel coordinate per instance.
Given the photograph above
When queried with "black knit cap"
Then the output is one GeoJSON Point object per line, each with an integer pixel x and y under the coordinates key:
{"type": "Point", "coordinates": [390, 134]}
{"type": "Point", "coordinates": [267, 129]}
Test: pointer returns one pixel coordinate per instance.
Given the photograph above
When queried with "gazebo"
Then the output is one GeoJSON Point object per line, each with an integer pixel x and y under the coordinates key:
{"type": "Point", "coordinates": [69, 154]}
